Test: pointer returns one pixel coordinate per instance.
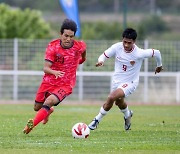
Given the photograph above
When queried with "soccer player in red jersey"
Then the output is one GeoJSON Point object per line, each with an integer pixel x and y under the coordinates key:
{"type": "Point", "coordinates": [62, 58]}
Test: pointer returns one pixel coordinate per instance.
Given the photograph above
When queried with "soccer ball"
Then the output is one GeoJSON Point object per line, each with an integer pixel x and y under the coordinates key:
{"type": "Point", "coordinates": [80, 130]}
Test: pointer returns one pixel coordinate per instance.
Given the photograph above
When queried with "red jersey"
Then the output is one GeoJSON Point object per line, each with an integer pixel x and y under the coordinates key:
{"type": "Point", "coordinates": [65, 60]}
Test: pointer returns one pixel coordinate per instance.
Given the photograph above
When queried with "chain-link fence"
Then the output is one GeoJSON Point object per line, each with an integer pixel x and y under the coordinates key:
{"type": "Point", "coordinates": [21, 63]}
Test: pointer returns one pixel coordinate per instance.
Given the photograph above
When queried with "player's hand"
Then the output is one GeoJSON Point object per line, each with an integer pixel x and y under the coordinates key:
{"type": "Point", "coordinates": [99, 64]}
{"type": "Point", "coordinates": [59, 74]}
{"type": "Point", "coordinates": [158, 69]}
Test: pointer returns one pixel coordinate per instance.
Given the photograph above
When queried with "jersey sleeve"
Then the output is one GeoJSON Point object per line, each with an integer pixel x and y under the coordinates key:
{"type": "Point", "coordinates": [147, 53]}
{"type": "Point", "coordinates": [49, 54]}
{"type": "Point", "coordinates": [110, 52]}
{"type": "Point", "coordinates": [82, 46]}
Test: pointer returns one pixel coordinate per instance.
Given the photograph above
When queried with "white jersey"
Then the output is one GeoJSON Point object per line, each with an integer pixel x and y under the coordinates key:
{"type": "Point", "coordinates": [127, 65]}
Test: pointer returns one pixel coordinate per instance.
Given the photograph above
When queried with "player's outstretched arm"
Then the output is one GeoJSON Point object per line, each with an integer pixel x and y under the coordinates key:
{"type": "Point", "coordinates": [101, 60]}
{"type": "Point", "coordinates": [98, 64]}
{"type": "Point", "coordinates": [83, 57]}
{"type": "Point", "coordinates": [158, 58]}
{"type": "Point", "coordinates": [158, 69]}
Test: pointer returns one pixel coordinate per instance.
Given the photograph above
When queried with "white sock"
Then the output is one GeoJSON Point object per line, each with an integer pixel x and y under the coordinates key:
{"type": "Point", "coordinates": [126, 112]}
{"type": "Point", "coordinates": [101, 114]}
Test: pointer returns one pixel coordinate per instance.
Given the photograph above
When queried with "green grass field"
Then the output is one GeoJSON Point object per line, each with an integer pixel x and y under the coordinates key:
{"type": "Point", "coordinates": [155, 129]}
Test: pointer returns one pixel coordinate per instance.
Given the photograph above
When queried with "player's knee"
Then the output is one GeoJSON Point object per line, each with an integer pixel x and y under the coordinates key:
{"type": "Point", "coordinates": [36, 108]}
{"type": "Point", "coordinates": [51, 101]}
{"type": "Point", "coordinates": [111, 98]}
{"type": "Point", "coordinates": [117, 103]}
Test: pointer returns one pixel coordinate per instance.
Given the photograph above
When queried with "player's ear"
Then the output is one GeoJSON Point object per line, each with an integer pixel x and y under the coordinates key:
{"type": "Point", "coordinates": [60, 34]}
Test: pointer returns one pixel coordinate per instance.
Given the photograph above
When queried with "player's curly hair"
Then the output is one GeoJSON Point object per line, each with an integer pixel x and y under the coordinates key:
{"type": "Point", "coordinates": [68, 24]}
{"type": "Point", "coordinates": [130, 33]}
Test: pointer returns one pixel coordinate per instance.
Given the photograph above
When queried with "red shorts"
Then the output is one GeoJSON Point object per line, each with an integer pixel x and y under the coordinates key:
{"type": "Point", "coordinates": [46, 89]}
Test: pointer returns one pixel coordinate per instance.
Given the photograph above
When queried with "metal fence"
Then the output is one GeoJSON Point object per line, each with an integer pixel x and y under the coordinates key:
{"type": "Point", "coordinates": [21, 63]}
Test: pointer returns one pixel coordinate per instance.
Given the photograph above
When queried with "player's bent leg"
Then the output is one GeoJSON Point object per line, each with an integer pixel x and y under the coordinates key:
{"type": "Point", "coordinates": [93, 125]}
{"type": "Point", "coordinates": [50, 101]}
{"type": "Point", "coordinates": [103, 111]}
{"type": "Point", "coordinates": [127, 113]}
{"type": "Point", "coordinates": [38, 105]}
{"type": "Point", "coordinates": [40, 116]}
{"type": "Point", "coordinates": [127, 121]}
{"type": "Point", "coordinates": [47, 118]}
{"type": "Point", "coordinates": [29, 126]}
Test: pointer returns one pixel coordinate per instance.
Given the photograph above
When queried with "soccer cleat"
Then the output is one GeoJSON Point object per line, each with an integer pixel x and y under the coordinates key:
{"type": "Point", "coordinates": [29, 126]}
{"type": "Point", "coordinates": [93, 125]}
{"type": "Point", "coordinates": [47, 118]}
{"type": "Point", "coordinates": [127, 121]}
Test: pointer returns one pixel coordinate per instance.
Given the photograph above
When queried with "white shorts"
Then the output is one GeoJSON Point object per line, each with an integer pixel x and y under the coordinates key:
{"type": "Point", "coordinates": [128, 88]}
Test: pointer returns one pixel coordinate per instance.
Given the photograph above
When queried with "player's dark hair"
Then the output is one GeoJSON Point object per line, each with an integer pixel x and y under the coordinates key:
{"type": "Point", "coordinates": [130, 34]}
{"type": "Point", "coordinates": [68, 24]}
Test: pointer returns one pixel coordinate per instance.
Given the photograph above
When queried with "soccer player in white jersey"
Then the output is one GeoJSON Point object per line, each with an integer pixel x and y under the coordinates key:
{"type": "Point", "coordinates": [128, 61]}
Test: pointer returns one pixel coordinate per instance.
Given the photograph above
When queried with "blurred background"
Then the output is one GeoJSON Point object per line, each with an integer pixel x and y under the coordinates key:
{"type": "Point", "coordinates": [153, 19]}
{"type": "Point", "coordinates": [26, 26]}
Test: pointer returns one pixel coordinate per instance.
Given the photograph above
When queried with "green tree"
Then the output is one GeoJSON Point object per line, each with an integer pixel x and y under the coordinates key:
{"type": "Point", "coordinates": [16, 23]}
{"type": "Point", "coordinates": [150, 25]}
{"type": "Point", "coordinates": [102, 31]}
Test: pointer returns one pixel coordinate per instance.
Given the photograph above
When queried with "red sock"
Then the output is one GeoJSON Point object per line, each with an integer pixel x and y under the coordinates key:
{"type": "Point", "coordinates": [41, 114]}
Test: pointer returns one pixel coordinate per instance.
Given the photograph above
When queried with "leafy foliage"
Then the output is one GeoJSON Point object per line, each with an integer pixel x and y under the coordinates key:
{"type": "Point", "coordinates": [113, 30]}
{"type": "Point", "coordinates": [99, 5]}
{"type": "Point", "coordinates": [16, 23]}
{"type": "Point", "coordinates": [102, 31]}
{"type": "Point", "coordinates": [151, 24]}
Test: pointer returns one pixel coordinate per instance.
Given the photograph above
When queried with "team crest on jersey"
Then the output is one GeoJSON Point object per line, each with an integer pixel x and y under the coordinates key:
{"type": "Point", "coordinates": [59, 58]}
{"type": "Point", "coordinates": [132, 62]}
